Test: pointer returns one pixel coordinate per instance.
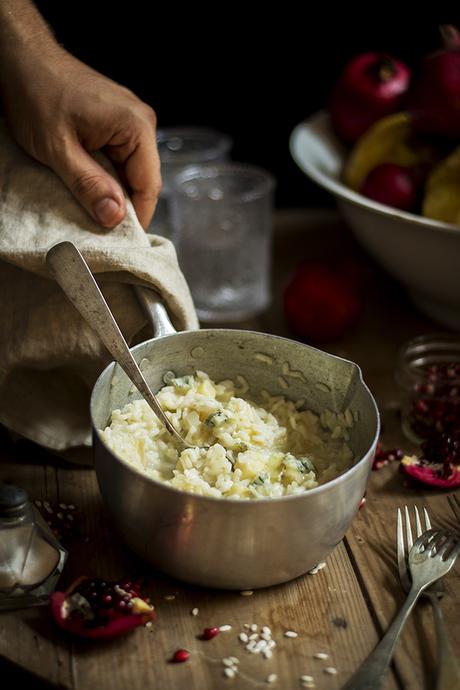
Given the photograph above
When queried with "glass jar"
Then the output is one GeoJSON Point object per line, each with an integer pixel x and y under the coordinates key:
{"type": "Point", "coordinates": [428, 372]}
{"type": "Point", "coordinates": [31, 558]}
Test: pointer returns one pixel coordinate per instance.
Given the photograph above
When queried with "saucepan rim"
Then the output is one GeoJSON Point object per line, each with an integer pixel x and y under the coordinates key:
{"type": "Point", "coordinates": [245, 503]}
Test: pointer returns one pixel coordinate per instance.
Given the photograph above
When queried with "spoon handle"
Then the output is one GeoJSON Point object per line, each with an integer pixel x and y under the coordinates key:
{"type": "Point", "coordinates": [72, 273]}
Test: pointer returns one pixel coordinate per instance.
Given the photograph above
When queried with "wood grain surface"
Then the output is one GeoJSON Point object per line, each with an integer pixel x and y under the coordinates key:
{"type": "Point", "coordinates": [342, 610]}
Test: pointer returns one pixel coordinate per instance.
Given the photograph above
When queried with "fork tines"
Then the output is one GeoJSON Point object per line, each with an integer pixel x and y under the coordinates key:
{"type": "Point", "coordinates": [401, 540]}
{"type": "Point", "coordinates": [441, 543]}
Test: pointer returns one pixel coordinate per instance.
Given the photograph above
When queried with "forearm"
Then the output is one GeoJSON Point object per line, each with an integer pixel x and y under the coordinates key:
{"type": "Point", "coordinates": [29, 55]}
{"type": "Point", "coordinates": [21, 26]}
{"type": "Point", "coordinates": [24, 35]}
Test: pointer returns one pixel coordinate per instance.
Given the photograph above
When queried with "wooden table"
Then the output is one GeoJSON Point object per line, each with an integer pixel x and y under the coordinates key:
{"type": "Point", "coordinates": [342, 610]}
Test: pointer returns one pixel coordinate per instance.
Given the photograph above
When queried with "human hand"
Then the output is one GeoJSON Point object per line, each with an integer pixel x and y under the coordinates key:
{"type": "Point", "coordinates": [59, 110]}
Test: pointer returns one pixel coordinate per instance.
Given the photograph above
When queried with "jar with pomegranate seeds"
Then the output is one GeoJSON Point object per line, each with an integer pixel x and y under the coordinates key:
{"type": "Point", "coordinates": [428, 371]}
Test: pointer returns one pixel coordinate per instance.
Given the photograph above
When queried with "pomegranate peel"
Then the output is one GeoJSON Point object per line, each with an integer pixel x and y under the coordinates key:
{"type": "Point", "coordinates": [431, 473]}
{"type": "Point", "coordinates": [97, 609]}
{"type": "Point", "coordinates": [440, 463]}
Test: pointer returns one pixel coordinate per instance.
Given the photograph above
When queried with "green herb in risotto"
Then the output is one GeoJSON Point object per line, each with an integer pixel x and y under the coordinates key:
{"type": "Point", "coordinates": [243, 450]}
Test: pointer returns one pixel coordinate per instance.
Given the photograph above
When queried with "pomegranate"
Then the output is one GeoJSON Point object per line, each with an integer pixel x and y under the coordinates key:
{"type": "Point", "coordinates": [440, 463]}
{"type": "Point", "coordinates": [392, 185]}
{"type": "Point", "coordinates": [434, 102]}
{"type": "Point", "coordinates": [94, 608]}
{"type": "Point", "coordinates": [320, 302]}
{"type": "Point", "coordinates": [371, 86]}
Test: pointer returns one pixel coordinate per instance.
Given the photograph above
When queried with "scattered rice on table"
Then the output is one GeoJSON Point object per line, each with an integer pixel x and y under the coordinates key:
{"type": "Point", "coordinates": [270, 449]}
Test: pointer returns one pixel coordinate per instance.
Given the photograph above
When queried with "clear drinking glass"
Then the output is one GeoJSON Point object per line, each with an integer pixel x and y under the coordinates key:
{"type": "Point", "coordinates": [179, 147]}
{"type": "Point", "coordinates": [222, 227]}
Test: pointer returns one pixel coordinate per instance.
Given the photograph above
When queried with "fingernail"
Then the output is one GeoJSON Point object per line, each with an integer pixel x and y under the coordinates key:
{"type": "Point", "coordinates": [106, 211]}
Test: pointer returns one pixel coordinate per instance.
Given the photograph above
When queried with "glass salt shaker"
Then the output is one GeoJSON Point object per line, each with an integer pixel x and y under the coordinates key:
{"type": "Point", "coordinates": [31, 558]}
{"type": "Point", "coordinates": [428, 372]}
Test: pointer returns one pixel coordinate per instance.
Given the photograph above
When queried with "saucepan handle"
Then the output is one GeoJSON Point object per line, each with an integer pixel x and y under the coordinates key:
{"type": "Point", "coordinates": [155, 311]}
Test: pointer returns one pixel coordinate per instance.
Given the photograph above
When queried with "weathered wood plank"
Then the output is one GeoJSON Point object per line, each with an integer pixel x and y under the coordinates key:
{"type": "Point", "coordinates": [327, 610]}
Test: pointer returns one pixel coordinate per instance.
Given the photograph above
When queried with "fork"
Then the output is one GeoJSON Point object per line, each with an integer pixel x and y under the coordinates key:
{"type": "Point", "coordinates": [448, 674]}
{"type": "Point", "coordinates": [455, 505]}
{"type": "Point", "coordinates": [431, 557]}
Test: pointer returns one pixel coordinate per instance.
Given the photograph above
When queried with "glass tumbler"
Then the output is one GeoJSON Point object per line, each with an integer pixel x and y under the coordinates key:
{"type": "Point", "coordinates": [428, 372]}
{"type": "Point", "coordinates": [179, 147]}
{"type": "Point", "coordinates": [222, 227]}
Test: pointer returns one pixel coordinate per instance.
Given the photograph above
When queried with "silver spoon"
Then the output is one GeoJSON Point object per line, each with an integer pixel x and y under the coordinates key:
{"type": "Point", "coordinates": [72, 273]}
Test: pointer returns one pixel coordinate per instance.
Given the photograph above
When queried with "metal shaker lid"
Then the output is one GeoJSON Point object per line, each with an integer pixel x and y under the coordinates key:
{"type": "Point", "coordinates": [13, 500]}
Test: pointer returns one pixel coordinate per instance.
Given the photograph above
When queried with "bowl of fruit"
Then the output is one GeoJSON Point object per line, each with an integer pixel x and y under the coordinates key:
{"type": "Point", "coordinates": [388, 149]}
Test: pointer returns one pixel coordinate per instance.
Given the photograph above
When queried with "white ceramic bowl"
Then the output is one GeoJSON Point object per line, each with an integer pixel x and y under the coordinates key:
{"type": "Point", "coordinates": [423, 254]}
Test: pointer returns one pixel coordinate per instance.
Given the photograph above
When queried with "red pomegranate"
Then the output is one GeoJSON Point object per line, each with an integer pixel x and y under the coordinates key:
{"type": "Point", "coordinates": [434, 102]}
{"type": "Point", "coordinates": [371, 86]}
{"type": "Point", "coordinates": [321, 302]}
{"type": "Point", "coordinates": [97, 609]}
{"type": "Point", "coordinates": [439, 466]}
{"type": "Point", "coordinates": [391, 184]}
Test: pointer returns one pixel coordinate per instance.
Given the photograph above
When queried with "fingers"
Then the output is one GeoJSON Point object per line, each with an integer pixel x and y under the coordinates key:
{"type": "Point", "coordinates": [140, 168]}
{"type": "Point", "coordinates": [132, 146]}
{"type": "Point", "coordinates": [143, 176]}
{"type": "Point", "coordinates": [96, 190]}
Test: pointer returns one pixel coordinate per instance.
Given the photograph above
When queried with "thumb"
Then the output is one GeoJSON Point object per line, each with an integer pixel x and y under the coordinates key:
{"type": "Point", "coordinates": [96, 190]}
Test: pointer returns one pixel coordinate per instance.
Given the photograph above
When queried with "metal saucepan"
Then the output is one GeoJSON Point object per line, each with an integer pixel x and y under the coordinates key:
{"type": "Point", "coordinates": [230, 543]}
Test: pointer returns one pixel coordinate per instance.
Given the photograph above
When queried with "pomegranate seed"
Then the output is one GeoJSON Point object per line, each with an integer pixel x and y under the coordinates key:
{"type": "Point", "coordinates": [435, 406]}
{"type": "Point", "coordinates": [209, 633]}
{"type": "Point", "coordinates": [383, 457]}
{"type": "Point", "coordinates": [180, 656]}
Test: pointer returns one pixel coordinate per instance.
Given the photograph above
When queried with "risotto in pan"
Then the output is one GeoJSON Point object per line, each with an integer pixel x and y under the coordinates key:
{"type": "Point", "coordinates": [270, 449]}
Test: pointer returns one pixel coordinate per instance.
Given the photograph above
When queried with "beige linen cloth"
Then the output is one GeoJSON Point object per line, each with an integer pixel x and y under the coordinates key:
{"type": "Point", "coordinates": [50, 358]}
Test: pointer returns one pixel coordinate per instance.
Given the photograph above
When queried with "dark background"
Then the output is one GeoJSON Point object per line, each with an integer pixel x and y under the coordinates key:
{"type": "Point", "coordinates": [248, 71]}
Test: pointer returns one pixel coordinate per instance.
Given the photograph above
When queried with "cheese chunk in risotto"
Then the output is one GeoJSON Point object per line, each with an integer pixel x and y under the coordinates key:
{"type": "Point", "coordinates": [255, 451]}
